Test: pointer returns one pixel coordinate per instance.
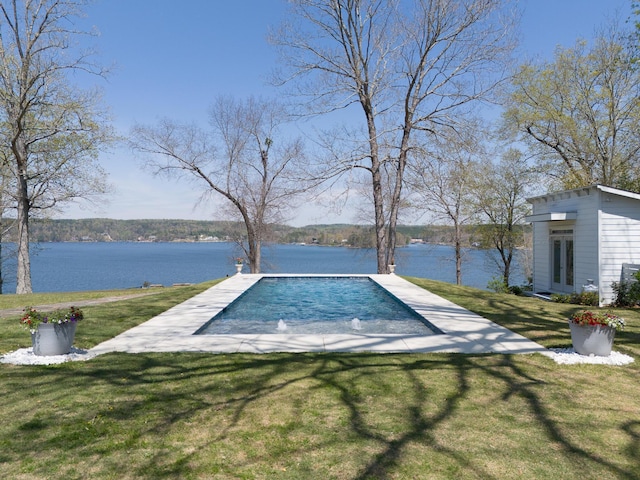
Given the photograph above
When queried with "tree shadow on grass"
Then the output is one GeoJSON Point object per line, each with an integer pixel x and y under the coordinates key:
{"type": "Point", "coordinates": [120, 403]}
{"type": "Point", "coordinates": [514, 381]}
{"type": "Point", "coordinates": [539, 320]}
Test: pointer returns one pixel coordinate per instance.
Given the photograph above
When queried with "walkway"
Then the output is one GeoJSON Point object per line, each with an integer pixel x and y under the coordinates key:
{"type": "Point", "coordinates": [9, 312]}
{"type": "Point", "coordinates": [172, 331]}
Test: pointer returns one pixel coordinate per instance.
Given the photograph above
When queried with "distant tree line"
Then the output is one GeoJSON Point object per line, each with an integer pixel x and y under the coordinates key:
{"type": "Point", "coordinates": [356, 236]}
{"type": "Point", "coordinates": [110, 230]}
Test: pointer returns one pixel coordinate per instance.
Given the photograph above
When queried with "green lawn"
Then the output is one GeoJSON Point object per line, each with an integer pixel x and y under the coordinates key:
{"type": "Point", "coordinates": [329, 416]}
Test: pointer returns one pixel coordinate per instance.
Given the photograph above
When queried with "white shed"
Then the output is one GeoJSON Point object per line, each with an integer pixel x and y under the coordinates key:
{"type": "Point", "coordinates": [584, 236]}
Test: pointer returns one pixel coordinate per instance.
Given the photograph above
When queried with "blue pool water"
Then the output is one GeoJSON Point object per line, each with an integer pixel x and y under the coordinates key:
{"type": "Point", "coordinates": [317, 305]}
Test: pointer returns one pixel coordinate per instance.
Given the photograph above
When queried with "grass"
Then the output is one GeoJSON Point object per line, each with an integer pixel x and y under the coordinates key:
{"type": "Point", "coordinates": [102, 321]}
{"type": "Point", "coordinates": [333, 416]}
{"type": "Point", "coordinates": [20, 301]}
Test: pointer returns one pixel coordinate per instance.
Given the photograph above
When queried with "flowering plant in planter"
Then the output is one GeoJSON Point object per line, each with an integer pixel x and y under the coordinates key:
{"type": "Point", "coordinates": [591, 318]}
{"type": "Point", "coordinates": [239, 261]}
{"type": "Point", "coordinates": [32, 318]}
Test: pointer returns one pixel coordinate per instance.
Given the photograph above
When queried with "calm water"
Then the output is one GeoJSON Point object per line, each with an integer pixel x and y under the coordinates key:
{"type": "Point", "coordinates": [98, 266]}
{"type": "Point", "coordinates": [316, 305]}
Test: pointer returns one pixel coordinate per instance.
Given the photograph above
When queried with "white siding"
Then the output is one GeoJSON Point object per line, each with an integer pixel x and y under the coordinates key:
{"type": "Point", "coordinates": [619, 239]}
{"type": "Point", "coordinates": [606, 235]}
{"type": "Point", "coordinates": [586, 240]}
{"type": "Point", "coordinates": [585, 229]}
{"type": "Point", "coordinates": [541, 261]}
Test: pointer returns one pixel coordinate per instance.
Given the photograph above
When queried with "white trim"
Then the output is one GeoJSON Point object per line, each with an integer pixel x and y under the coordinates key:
{"type": "Point", "coordinates": [583, 191]}
{"type": "Point", "coordinates": [551, 217]}
{"type": "Point", "coordinates": [621, 193]}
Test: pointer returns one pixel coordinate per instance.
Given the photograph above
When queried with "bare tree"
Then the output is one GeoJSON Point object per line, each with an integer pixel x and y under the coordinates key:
{"type": "Point", "coordinates": [442, 178]}
{"type": "Point", "coordinates": [406, 67]}
{"type": "Point", "coordinates": [501, 191]}
{"type": "Point", "coordinates": [245, 158]}
{"type": "Point", "coordinates": [53, 129]}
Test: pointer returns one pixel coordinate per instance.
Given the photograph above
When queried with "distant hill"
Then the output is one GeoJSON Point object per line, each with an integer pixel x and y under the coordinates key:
{"type": "Point", "coordinates": [110, 230]}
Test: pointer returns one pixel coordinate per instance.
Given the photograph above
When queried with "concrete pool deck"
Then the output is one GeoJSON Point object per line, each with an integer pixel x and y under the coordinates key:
{"type": "Point", "coordinates": [173, 330]}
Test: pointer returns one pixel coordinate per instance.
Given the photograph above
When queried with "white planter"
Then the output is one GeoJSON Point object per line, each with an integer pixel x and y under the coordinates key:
{"type": "Point", "coordinates": [238, 267]}
{"type": "Point", "coordinates": [53, 338]}
{"type": "Point", "coordinates": [592, 340]}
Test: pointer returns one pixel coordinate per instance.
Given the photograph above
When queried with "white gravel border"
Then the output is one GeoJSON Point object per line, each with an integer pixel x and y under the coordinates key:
{"type": "Point", "coordinates": [568, 356]}
{"type": "Point", "coordinates": [25, 356]}
{"type": "Point", "coordinates": [563, 356]}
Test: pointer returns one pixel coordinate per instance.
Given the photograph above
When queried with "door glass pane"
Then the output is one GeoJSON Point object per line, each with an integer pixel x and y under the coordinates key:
{"type": "Point", "coordinates": [557, 251]}
{"type": "Point", "coordinates": [569, 261]}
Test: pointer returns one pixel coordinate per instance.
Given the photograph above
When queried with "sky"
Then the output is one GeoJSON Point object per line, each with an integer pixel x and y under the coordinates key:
{"type": "Point", "coordinates": [171, 58]}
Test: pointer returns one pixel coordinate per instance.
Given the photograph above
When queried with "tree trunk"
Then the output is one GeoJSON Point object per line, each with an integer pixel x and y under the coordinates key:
{"type": "Point", "coordinates": [376, 181]}
{"type": "Point", "coordinates": [458, 247]}
{"type": "Point", "coordinates": [23, 274]}
{"type": "Point", "coordinates": [394, 208]}
{"type": "Point", "coordinates": [23, 281]}
{"type": "Point", "coordinates": [381, 240]}
{"type": "Point", "coordinates": [507, 267]}
{"type": "Point", "coordinates": [257, 257]}
{"type": "Point", "coordinates": [255, 251]}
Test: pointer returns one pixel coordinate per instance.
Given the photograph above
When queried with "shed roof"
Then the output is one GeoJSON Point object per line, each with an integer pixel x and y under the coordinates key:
{"type": "Point", "coordinates": [585, 191]}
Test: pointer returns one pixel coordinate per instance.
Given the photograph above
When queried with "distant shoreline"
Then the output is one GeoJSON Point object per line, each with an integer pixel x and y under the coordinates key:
{"type": "Point", "coordinates": [198, 231]}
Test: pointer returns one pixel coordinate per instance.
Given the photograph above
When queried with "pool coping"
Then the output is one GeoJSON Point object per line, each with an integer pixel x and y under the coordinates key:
{"type": "Point", "coordinates": [463, 331]}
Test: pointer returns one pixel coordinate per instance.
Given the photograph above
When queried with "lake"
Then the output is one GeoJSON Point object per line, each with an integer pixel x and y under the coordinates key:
{"type": "Point", "coordinates": [66, 267]}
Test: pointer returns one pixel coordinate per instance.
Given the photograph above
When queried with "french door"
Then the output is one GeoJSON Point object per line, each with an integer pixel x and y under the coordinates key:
{"type": "Point", "coordinates": [562, 261]}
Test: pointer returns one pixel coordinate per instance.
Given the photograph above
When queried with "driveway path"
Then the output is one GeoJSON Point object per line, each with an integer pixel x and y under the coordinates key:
{"type": "Point", "coordinates": [10, 312]}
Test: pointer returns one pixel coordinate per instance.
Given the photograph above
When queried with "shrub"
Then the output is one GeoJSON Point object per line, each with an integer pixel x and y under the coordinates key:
{"type": "Point", "coordinates": [498, 285]}
{"type": "Point", "coordinates": [560, 298]}
{"type": "Point", "coordinates": [516, 290]}
{"type": "Point", "coordinates": [627, 294]}
{"type": "Point", "coordinates": [589, 298]}
{"type": "Point", "coordinates": [583, 298]}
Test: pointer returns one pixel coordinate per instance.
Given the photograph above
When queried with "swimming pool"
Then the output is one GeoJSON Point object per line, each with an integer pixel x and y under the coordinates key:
{"type": "Point", "coordinates": [173, 330]}
{"type": "Point", "coordinates": [317, 305]}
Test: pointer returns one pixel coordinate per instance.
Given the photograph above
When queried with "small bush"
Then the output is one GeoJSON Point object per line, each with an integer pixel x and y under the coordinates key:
{"type": "Point", "coordinates": [627, 294]}
{"type": "Point", "coordinates": [498, 285]}
{"type": "Point", "coordinates": [516, 290]}
{"type": "Point", "coordinates": [588, 298]}
{"type": "Point", "coordinates": [560, 298]}
{"type": "Point", "coordinates": [584, 298]}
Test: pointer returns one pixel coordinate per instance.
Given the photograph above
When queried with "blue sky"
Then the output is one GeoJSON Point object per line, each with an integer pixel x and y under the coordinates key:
{"type": "Point", "coordinates": [173, 57]}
